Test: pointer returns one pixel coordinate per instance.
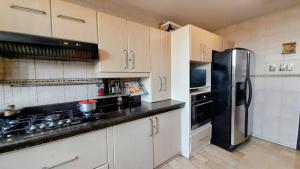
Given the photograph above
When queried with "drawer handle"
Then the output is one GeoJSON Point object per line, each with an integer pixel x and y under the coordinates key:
{"type": "Point", "coordinates": [62, 163]}
{"type": "Point", "coordinates": [71, 18]}
{"type": "Point", "coordinates": [28, 9]}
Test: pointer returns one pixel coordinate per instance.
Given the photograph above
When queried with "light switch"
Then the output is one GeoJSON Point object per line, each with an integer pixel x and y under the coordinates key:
{"type": "Point", "coordinates": [272, 68]}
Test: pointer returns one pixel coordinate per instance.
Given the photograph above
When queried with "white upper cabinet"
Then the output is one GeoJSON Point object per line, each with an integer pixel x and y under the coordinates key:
{"type": "Point", "coordinates": [138, 47]}
{"type": "Point", "coordinates": [159, 84]}
{"type": "Point", "coordinates": [113, 46]}
{"type": "Point", "coordinates": [156, 79]}
{"type": "Point", "coordinates": [124, 45]}
{"type": "Point", "coordinates": [166, 61]}
{"type": "Point", "coordinates": [26, 16]}
{"type": "Point", "coordinates": [73, 22]}
{"type": "Point", "coordinates": [202, 43]}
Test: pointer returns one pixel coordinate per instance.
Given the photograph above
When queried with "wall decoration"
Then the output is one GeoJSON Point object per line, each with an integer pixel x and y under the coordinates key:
{"type": "Point", "coordinates": [289, 48]}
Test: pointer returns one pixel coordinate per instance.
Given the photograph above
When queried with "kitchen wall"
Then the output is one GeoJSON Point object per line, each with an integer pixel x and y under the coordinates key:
{"type": "Point", "coordinates": [277, 94]}
{"type": "Point", "coordinates": [44, 69]}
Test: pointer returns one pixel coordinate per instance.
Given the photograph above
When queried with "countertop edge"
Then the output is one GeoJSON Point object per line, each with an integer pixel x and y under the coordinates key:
{"type": "Point", "coordinates": [65, 133]}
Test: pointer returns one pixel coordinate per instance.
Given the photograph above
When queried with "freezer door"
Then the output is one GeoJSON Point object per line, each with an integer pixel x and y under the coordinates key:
{"type": "Point", "coordinates": [239, 96]}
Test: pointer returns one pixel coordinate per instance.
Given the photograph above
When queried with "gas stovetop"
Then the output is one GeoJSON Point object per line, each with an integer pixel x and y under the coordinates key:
{"type": "Point", "coordinates": [35, 123]}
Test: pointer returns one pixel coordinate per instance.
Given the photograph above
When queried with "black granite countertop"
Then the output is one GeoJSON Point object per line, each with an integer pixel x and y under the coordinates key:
{"type": "Point", "coordinates": [113, 118]}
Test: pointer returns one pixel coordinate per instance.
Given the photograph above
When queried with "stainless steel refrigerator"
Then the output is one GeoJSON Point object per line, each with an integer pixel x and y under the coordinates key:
{"type": "Point", "coordinates": [232, 89]}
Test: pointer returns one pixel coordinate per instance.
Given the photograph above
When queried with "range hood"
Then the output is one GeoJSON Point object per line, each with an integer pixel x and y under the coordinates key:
{"type": "Point", "coordinates": [23, 46]}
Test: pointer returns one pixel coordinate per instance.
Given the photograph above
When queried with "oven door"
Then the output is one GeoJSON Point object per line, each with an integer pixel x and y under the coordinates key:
{"type": "Point", "coordinates": [200, 113]}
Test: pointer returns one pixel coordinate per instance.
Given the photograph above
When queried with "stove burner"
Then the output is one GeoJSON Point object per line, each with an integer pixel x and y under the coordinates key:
{"type": "Point", "coordinates": [53, 117]}
{"type": "Point", "coordinates": [30, 124]}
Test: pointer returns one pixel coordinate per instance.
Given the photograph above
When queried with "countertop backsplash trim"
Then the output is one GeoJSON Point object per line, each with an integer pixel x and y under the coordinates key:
{"type": "Point", "coordinates": [49, 82]}
{"type": "Point", "coordinates": [275, 75]}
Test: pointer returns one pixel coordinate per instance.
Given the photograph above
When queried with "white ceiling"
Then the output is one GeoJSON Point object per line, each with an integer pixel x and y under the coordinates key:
{"type": "Point", "coordinates": [209, 14]}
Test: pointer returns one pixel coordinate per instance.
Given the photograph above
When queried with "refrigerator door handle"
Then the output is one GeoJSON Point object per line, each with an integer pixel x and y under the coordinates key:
{"type": "Point", "coordinates": [248, 80]}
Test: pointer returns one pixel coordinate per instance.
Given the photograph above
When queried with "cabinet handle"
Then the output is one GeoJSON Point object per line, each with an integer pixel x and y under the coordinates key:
{"type": "Point", "coordinates": [62, 163]}
{"type": "Point", "coordinates": [21, 8]}
{"type": "Point", "coordinates": [71, 18]}
{"type": "Point", "coordinates": [157, 126]}
{"type": "Point", "coordinates": [133, 59]}
{"type": "Point", "coordinates": [151, 127]}
{"type": "Point", "coordinates": [126, 58]}
{"type": "Point", "coordinates": [160, 79]}
{"type": "Point", "coordinates": [165, 83]}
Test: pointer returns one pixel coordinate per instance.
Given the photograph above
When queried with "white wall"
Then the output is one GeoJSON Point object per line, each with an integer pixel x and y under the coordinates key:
{"type": "Point", "coordinates": [276, 99]}
{"type": "Point", "coordinates": [43, 69]}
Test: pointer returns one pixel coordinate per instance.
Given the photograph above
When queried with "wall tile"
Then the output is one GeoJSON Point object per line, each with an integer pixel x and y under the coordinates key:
{"type": "Point", "coordinates": [76, 93]}
{"type": "Point", "coordinates": [2, 105]}
{"type": "Point", "coordinates": [27, 69]}
{"type": "Point", "coordinates": [50, 94]}
{"type": "Point", "coordinates": [92, 91]}
{"type": "Point", "coordinates": [48, 69]}
{"type": "Point", "coordinates": [8, 95]}
{"type": "Point", "coordinates": [74, 69]}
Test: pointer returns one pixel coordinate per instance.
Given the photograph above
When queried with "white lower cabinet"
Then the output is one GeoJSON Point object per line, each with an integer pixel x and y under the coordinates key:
{"type": "Point", "coordinates": [166, 140]}
{"type": "Point", "coordinates": [133, 145]}
{"type": "Point", "coordinates": [141, 144]}
{"type": "Point", "coordinates": [135, 141]}
{"type": "Point", "coordinates": [84, 151]}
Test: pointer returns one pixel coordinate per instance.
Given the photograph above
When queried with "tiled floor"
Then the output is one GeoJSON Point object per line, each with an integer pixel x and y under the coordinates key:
{"type": "Point", "coordinates": [256, 154]}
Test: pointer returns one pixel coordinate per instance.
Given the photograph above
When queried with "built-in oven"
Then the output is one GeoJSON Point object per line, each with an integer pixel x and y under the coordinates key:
{"type": "Point", "coordinates": [201, 109]}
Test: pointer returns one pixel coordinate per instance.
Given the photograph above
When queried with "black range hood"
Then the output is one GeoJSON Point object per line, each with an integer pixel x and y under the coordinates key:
{"type": "Point", "coordinates": [23, 46]}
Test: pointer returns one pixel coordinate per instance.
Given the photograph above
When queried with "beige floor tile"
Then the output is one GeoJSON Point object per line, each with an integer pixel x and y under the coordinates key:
{"type": "Point", "coordinates": [255, 154]}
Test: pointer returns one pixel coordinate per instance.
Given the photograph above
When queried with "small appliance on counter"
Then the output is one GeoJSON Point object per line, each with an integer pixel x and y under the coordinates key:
{"type": "Point", "coordinates": [232, 93]}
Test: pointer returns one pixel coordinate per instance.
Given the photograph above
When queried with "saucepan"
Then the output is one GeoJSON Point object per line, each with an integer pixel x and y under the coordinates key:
{"type": "Point", "coordinates": [87, 106]}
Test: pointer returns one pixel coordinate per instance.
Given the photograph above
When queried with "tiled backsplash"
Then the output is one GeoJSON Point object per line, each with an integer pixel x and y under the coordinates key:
{"type": "Point", "coordinates": [43, 69]}
{"type": "Point", "coordinates": [276, 98]}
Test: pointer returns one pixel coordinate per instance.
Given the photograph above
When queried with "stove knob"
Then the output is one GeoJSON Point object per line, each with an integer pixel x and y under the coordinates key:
{"type": "Point", "coordinates": [32, 128]}
{"type": "Point", "coordinates": [69, 121]}
{"type": "Point", "coordinates": [43, 126]}
{"type": "Point", "coordinates": [60, 122]}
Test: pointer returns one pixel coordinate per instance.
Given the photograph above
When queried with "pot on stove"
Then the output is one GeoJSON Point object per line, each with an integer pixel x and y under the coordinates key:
{"type": "Point", "coordinates": [87, 106]}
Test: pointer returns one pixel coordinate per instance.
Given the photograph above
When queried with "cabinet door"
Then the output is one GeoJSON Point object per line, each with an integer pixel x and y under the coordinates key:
{"type": "Point", "coordinates": [30, 16]}
{"type": "Point", "coordinates": [112, 43]}
{"type": "Point", "coordinates": [207, 38]}
{"type": "Point", "coordinates": [78, 152]}
{"type": "Point", "coordinates": [217, 43]}
{"type": "Point", "coordinates": [138, 48]}
{"type": "Point", "coordinates": [196, 44]}
{"type": "Point", "coordinates": [167, 136]}
{"type": "Point", "coordinates": [166, 67]}
{"type": "Point", "coordinates": [73, 22]}
{"type": "Point", "coordinates": [133, 145]}
{"type": "Point", "coordinates": [157, 64]}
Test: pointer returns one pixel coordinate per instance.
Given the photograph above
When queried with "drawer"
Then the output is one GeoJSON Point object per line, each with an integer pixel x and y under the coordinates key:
{"type": "Point", "coordinates": [84, 151]}
{"type": "Point", "coordinates": [203, 133]}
